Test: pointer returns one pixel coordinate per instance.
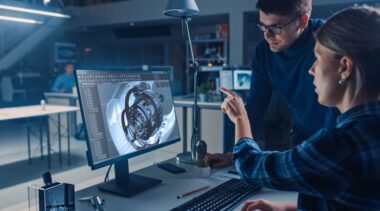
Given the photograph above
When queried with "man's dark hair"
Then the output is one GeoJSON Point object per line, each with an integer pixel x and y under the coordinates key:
{"type": "Point", "coordinates": [291, 8]}
{"type": "Point", "coordinates": [69, 63]}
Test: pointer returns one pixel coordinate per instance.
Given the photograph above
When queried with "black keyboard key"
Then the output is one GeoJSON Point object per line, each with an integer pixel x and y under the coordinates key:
{"type": "Point", "coordinates": [222, 197]}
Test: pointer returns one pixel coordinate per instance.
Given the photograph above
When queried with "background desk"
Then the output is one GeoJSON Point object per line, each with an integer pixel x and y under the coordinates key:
{"type": "Point", "coordinates": [163, 196]}
{"type": "Point", "coordinates": [36, 111]}
{"type": "Point", "coordinates": [66, 99]}
{"type": "Point", "coordinates": [72, 98]}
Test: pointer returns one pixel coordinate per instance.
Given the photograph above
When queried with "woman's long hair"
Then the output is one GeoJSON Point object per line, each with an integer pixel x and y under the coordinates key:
{"type": "Point", "coordinates": [355, 32]}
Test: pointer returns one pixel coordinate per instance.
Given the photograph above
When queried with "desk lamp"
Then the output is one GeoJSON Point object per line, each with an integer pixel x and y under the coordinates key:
{"type": "Point", "coordinates": [186, 9]}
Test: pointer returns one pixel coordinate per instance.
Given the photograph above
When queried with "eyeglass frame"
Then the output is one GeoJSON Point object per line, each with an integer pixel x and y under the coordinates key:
{"type": "Point", "coordinates": [264, 28]}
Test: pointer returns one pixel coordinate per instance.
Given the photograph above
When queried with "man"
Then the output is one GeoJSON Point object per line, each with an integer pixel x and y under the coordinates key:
{"type": "Point", "coordinates": [337, 168]}
{"type": "Point", "coordinates": [64, 82]}
{"type": "Point", "coordinates": [281, 64]}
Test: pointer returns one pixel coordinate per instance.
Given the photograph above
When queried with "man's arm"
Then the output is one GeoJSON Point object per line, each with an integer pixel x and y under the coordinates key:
{"type": "Point", "coordinates": [57, 84]}
{"type": "Point", "coordinates": [260, 92]}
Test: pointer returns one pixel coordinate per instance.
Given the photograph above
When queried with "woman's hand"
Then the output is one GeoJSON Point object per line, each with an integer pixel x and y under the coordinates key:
{"type": "Point", "coordinates": [265, 205]}
{"type": "Point", "coordinates": [233, 106]}
{"type": "Point", "coordinates": [218, 160]}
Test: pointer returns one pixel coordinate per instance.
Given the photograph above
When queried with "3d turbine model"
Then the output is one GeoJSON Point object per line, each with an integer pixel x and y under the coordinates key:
{"type": "Point", "coordinates": [142, 119]}
{"type": "Point", "coordinates": [137, 117]}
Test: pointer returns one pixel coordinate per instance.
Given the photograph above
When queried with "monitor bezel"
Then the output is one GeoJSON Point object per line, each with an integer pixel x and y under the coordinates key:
{"type": "Point", "coordinates": [113, 160]}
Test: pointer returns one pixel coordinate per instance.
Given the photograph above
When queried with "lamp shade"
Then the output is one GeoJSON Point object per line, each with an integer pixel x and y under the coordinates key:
{"type": "Point", "coordinates": [181, 8]}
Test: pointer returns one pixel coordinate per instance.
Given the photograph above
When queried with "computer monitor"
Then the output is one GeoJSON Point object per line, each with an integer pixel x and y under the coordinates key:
{"type": "Point", "coordinates": [125, 114]}
{"type": "Point", "coordinates": [226, 79]}
{"type": "Point", "coordinates": [242, 79]}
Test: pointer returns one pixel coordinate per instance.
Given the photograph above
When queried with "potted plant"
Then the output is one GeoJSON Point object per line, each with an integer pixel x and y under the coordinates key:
{"type": "Point", "coordinates": [203, 88]}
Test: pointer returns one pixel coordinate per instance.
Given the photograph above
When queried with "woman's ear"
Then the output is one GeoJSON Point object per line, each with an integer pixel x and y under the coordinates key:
{"type": "Point", "coordinates": [346, 67]}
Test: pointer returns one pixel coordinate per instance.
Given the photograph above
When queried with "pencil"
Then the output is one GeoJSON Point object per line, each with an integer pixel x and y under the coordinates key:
{"type": "Point", "coordinates": [233, 172]}
{"type": "Point", "coordinates": [193, 191]}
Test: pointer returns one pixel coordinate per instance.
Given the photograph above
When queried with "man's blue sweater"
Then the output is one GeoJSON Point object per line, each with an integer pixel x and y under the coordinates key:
{"type": "Point", "coordinates": [64, 82]}
{"type": "Point", "coordinates": [286, 73]}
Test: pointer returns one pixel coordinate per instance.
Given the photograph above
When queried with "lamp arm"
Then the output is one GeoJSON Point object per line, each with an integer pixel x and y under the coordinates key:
{"type": "Point", "coordinates": [195, 136]}
{"type": "Point", "coordinates": [189, 39]}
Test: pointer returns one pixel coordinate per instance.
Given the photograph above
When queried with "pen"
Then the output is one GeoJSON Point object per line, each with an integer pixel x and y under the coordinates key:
{"type": "Point", "coordinates": [193, 191]}
{"type": "Point", "coordinates": [87, 198]}
{"type": "Point", "coordinates": [233, 172]}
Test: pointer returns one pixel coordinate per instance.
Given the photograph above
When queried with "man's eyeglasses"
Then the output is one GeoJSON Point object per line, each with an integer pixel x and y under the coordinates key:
{"type": "Point", "coordinates": [274, 29]}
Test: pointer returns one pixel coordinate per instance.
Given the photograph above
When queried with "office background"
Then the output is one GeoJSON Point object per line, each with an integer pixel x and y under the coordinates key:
{"type": "Point", "coordinates": [123, 35]}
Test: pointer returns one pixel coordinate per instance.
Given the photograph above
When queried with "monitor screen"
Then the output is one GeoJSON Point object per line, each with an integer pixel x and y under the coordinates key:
{"type": "Point", "coordinates": [242, 79]}
{"type": "Point", "coordinates": [226, 79]}
{"type": "Point", "coordinates": [125, 113]}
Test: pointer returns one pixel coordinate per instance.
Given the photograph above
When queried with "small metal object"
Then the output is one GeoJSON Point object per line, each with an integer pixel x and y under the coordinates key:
{"type": "Point", "coordinates": [47, 178]}
{"type": "Point", "coordinates": [94, 201]}
{"type": "Point", "coordinates": [52, 195]}
{"type": "Point", "coordinates": [201, 151]}
{"type": "Point", "coordinates": [43, 105]}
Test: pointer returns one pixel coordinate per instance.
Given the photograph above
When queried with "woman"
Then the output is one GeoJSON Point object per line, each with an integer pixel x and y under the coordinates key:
{"type": "Point", "coordinates": [339, 168]}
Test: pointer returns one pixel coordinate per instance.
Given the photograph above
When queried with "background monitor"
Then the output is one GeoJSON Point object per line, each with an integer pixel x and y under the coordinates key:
{"type": "Point", "coordinates": [226, 79]}
{"type": "Point", "coordinates": [242, 79]}
{"type": "Point", "coordinates": [126, 113]}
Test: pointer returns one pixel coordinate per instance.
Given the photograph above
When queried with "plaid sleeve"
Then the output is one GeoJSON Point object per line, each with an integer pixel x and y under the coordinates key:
{"type": "Point", "coordinates": [315, 167]}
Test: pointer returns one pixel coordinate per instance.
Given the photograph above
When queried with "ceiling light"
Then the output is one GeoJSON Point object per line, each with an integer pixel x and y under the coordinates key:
{"type": "Point", "coordinates": [21, 20]}
{"type": "Point", "coordinates": [38, 12]}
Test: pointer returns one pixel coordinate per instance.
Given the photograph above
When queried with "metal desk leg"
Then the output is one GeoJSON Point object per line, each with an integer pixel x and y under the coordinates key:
{"type": "Point", "coordinates": [68, 138]}
{"type": "Point", "coordinates": [48, 141]}
{"type": "Point", "coordinates": [73, 103]}
{"type": "Point", "coordinates": [185, 156]}
{"type": "Point", "coordinates": [28, 137]}
{"type": "Point", "coordinates": [199, 123]}
{"type": "Point", "coordinates": [75, 122]}
{"type": "Point", "coordinates": [59, 139]}
{"type": "Point", "coordinates": [41, 140]}
{"type": "Point", "coordinates": [184, 129]}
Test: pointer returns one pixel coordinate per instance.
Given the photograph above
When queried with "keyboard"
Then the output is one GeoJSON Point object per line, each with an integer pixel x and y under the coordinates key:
{"type": "Point", "coordinates": [223, 197]}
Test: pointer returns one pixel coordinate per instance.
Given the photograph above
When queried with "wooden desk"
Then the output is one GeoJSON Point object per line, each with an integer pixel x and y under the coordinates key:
{"type": "Point", "coordinates": [26, 112]}
{"type": "Point", "coordinates": [70, 99]}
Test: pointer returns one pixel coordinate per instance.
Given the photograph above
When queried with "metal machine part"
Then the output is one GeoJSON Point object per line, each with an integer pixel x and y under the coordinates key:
{"type": "Point", "coordinates": [142, 116]}
{"type": "Point", "coordinates": [136, 116]}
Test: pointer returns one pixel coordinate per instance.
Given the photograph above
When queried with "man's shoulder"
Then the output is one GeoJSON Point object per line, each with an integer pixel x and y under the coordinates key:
{"type": "Point", "coordinates": [63, 77]}
{"type": "Point", "coordinates": [60, 76]}
{"type": "Point", "coordinates": [315, 24]}
{"type": "Point", "coordinates": [262, 45]}
{"type": "Point", "coordinates": [263, 49]}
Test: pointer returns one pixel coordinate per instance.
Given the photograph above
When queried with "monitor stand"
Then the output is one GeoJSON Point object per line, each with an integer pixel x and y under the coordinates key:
{"type": "Point", "coordinates": [126, 184]}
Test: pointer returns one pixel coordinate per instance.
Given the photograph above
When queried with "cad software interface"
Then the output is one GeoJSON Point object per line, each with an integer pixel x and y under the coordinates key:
{"type": "Point", "coordinates": [126, 112]}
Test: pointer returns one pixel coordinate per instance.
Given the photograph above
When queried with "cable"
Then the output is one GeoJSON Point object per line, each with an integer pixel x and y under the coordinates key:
{"type": "Point", "coordinates": [107, 174]}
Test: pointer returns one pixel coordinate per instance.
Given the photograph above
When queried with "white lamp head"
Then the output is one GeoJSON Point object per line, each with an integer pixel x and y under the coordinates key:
{"type": "Point", "coordinates": [181, 8]}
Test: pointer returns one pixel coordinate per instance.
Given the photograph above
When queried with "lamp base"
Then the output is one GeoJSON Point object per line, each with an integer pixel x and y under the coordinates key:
{"type": "Point", "coordinates": [185, 157]}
